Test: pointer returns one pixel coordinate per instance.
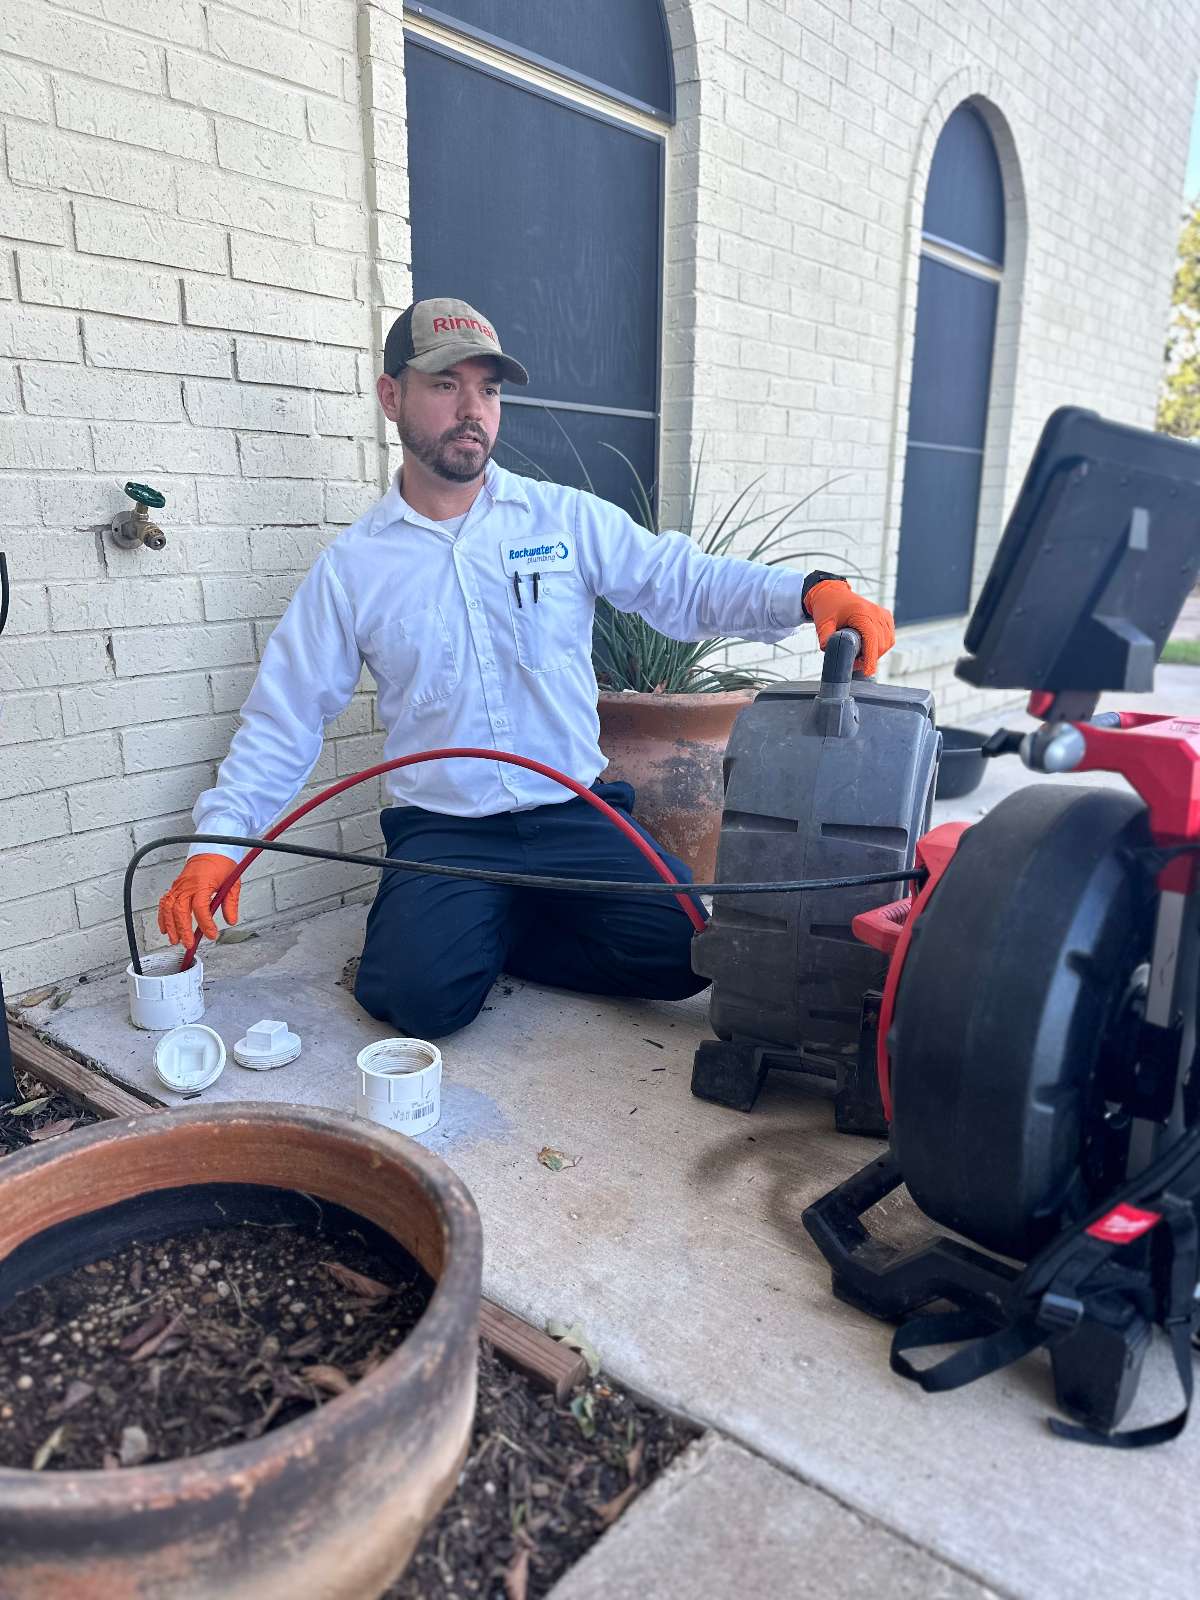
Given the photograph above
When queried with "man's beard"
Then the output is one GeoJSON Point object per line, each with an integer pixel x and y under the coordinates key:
{"type": "Point", "coordinates": [443, 456]}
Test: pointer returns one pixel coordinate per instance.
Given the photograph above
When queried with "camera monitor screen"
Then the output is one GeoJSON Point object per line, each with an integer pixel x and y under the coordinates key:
{"type": "Point", "coordinates": [1097, 559]}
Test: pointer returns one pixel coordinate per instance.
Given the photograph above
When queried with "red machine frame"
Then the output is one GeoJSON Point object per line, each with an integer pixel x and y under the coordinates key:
{"type": "Point", "coordinates": [1159, 756]}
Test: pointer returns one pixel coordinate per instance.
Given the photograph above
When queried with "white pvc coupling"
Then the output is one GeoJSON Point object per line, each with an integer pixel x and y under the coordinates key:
{"type": "Point", "coordinates": [400, 1084]}
{"type": "Point", "coordinates": [161, 996]}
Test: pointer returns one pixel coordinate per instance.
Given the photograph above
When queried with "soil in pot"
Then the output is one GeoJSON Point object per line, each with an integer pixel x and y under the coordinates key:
{"type": "Point", "coordinates": [169, 1348]}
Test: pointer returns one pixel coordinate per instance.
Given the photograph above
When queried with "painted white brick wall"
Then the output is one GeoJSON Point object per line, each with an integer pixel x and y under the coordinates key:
{"type": "Point", "coordinates": [204, 234]}
{"type": "Point", "coordinates": [183, 300]}
{"type": "Point", "coordinates": [797, 173]}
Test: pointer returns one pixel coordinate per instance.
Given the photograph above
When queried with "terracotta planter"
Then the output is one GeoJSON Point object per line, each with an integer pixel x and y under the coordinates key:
{"type": "Point", "coordinates": [327, 1507]}
{"type": "Point", "coordinates": [670, 748]}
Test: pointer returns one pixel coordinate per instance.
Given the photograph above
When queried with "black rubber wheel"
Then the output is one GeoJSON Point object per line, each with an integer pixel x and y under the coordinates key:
{"type": "Point", "coordinates": [1015, 978]}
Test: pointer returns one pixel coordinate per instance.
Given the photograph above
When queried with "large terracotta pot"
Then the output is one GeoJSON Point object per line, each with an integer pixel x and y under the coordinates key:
{"type": "Point", "coordinates": [329, 1507]}
{"type": "Point", "coordinates": [670, 747]}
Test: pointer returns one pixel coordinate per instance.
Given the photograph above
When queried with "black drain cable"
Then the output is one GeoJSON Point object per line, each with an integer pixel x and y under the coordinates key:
{"type": "Point", "coordinates": [482, 874]}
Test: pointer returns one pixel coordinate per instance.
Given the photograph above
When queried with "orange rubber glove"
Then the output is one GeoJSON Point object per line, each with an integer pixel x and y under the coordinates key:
{"type": "Point", "coordinates": [833, 604]}
{"type": "Point", "coordinates": [190, 896]}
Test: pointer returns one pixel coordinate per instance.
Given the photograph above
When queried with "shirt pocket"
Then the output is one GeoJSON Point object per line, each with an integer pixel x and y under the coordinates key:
{"type": "Point", "coordinates": [555, 630]}
{"type": "Point", "coordinates": [416, 655]}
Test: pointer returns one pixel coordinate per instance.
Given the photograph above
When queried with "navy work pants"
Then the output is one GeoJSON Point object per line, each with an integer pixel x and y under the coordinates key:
{"type": "Point", "coordinates": [434, 946]}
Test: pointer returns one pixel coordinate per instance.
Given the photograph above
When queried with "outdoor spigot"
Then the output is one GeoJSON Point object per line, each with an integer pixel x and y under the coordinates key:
{"type": "Point", "coordinates": [133, 528]}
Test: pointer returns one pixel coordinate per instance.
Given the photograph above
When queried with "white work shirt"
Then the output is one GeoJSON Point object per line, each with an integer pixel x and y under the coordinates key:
{"type": "Point", "coordinates": [433, 611]}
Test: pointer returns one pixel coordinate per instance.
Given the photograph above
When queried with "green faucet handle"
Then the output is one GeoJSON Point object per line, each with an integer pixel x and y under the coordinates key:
{"type": "Point", "coordinates": [145, 496]}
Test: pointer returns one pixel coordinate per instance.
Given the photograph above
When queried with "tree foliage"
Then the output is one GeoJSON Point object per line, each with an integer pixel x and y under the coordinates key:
{"type": "Point", "coordinates": [1179, 406]}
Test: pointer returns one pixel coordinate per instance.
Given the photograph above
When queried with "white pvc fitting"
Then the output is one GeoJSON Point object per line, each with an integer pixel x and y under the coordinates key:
{"type": "Point", "coordinates": [188, 1059]}
{"type": "Point", "coordinates": [267, 1044]}
{"type": "Point", "coordinates": [400, 1084]}
{"type": "Point", "coordinates": [161, 996]}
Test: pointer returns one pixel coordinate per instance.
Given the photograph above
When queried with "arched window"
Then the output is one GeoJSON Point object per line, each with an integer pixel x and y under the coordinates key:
{"type": "Point", "coordinates": [536, 164]}
{"type": "Point", "coordinates": [962, 261]}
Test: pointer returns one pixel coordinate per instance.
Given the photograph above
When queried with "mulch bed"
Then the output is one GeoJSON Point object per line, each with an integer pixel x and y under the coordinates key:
{"type": "Point", "coordinates": [146, 1356]}
{"type": "Point", "coordinates": [38, 1113]}
{"type": "Point", "coordinates": [541, 1484]}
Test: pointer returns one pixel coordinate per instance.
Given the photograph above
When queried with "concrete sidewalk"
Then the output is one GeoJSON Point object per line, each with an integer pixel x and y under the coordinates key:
{"type": "Point", "coordinates": [676, 1241]}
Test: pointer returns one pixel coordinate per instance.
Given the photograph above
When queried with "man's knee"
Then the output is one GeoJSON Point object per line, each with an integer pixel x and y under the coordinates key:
{"type": "Point", "coordinates": [674, 979]}
{"type": "Point", "coordinates": [658, 959]}
{"type": "Point", "coordinates": [681, 985]}
{"type": "Point", "coordinates": [417, 1010]}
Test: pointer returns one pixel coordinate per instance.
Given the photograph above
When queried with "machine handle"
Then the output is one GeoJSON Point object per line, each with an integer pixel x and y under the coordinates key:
{"type": "Point", "coordinates": [835, 715]}
{"type": "Point", "coordinates": [841, 653]}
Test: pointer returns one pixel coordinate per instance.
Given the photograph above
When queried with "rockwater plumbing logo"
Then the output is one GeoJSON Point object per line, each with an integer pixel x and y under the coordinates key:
{"type": "Point", "coordinates": [539, 552]}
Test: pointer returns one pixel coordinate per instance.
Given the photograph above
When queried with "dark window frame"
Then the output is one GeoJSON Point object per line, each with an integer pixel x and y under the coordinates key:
{"type": "Point", "coordinates": [663, 114]}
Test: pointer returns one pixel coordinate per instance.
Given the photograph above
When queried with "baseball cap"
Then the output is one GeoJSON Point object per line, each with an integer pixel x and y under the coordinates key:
{"type": "Point", "coordinates": [433, 334]}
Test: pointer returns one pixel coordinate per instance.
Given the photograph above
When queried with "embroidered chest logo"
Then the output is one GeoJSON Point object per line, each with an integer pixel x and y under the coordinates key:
{"type": "Point", "coordinates": [543, 556]}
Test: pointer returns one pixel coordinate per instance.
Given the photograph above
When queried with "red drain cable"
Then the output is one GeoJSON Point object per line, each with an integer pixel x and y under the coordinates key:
{"type": "Point", "coordinates": [573, 784]}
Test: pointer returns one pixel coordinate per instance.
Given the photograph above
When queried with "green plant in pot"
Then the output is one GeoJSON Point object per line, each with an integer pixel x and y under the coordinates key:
{"type": "Point", "coordinates": [667, 706]}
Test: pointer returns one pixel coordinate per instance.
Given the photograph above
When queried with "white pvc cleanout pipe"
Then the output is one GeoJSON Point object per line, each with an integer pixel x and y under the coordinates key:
{"type": "Point", "coordinates": [161, 996]}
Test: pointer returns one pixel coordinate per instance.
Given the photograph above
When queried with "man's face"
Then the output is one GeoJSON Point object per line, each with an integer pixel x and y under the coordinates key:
{"type": "Point", "coordinates": [446, 420]}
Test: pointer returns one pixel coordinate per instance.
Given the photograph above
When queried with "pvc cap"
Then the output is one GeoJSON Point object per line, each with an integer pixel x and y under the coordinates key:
{"type": "Point", "coordinates": [188, 1059]}
{"type": "Point", "coordinates": [267, 1044]}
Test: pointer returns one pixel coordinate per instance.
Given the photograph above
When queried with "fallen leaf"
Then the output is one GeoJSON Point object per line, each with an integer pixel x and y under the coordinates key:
{"type": "Point", "coordinates": [236, 935]}
{"type": "Point", "coordinates": [35, 997]}
{"type": "Point", "coordinates": [51, 1130]}
{"type": "Point", "coordinates": [516, 1576]}
{"type": "Point", "coordinates": [306, 1346]}
{"type": "Point", "coordinates": [556, 1160]}
{"type": "Point", "coordinates": [226, 1414]}
{"type": "Point", "coordinates": [60, 999]}
{"type": "Point", "coordinates": [158, 1341]}
{"type": "Point", "coordinates": [30, 1107]}
{"type": "Point", "coordinates": [573, 1336]}
{"type": "Point", "coordinates": [583, 1409]}
{"type": "Point", "coordinates": [49, 1447]}
{"type": "Point", "coordinates": [612, 1509]}
{"type": "Point", "coordinates": [153, 1323]}
{"type": "Point", "coordinates": [332, 1379]}
{"type": "Point", "coordinates": [287, 1386]}
{"type": "Point", "coordinates": [357, 1282]}
{"type": "Point", "coordinates": [633, 1458]}
{"type": "Point", "coordinates": [77, 1392]}
{"type": "Point", "coordinates": [135, 1446]}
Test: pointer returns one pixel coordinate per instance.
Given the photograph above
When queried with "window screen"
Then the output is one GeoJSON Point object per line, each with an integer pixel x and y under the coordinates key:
{"type": "Point", "coordinates": [957, 297]}
{"type": "Point", "coordinates": [548, 219]}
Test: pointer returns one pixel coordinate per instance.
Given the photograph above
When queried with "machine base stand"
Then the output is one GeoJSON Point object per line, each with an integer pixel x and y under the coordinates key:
{"type": "Point", "coordinates": [728, 1072]}
{"type": "Point", "coordinates": [731, 1072]}
{"type": "Point", "coordinates": [1096, 1366]}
